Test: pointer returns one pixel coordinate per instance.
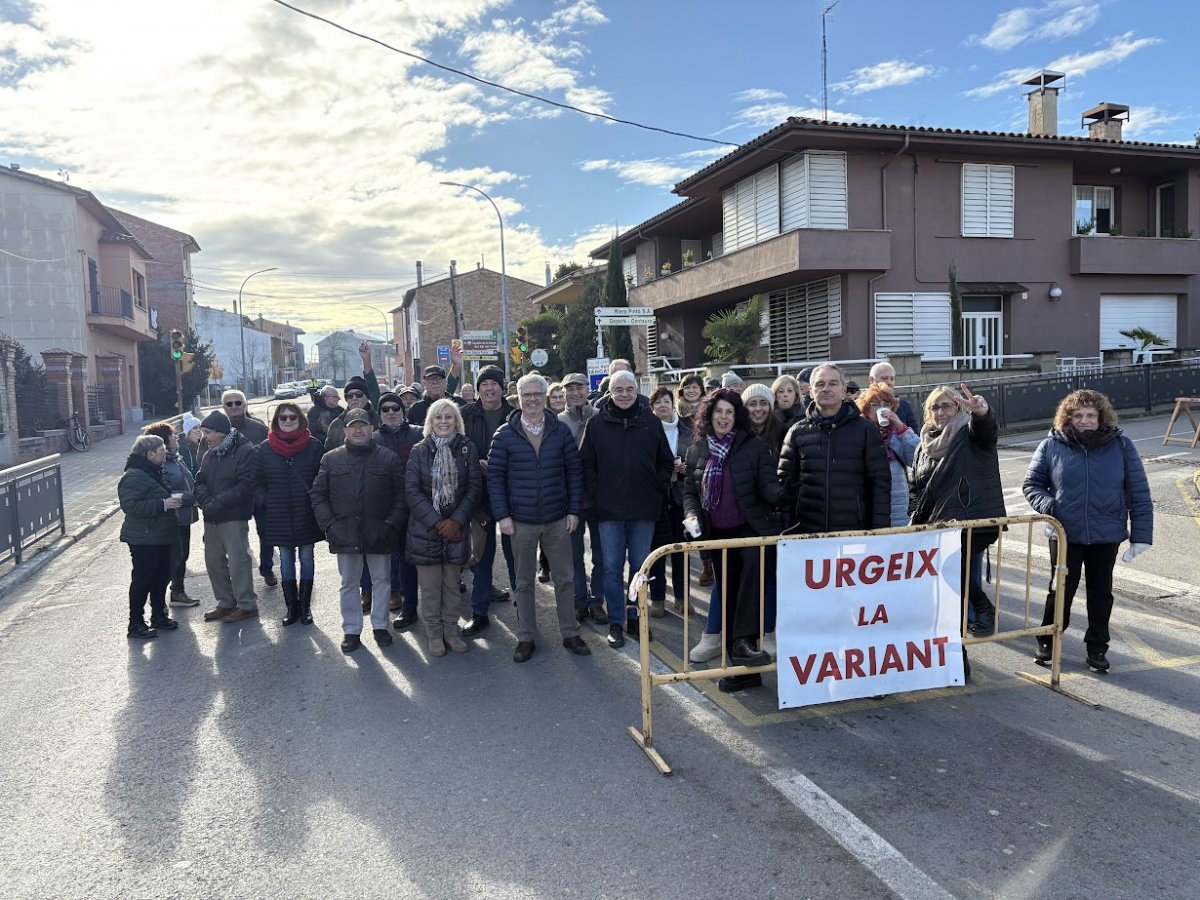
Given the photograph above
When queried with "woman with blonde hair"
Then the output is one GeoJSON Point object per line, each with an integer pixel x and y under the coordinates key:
{"type": "Point", "coordinates": [879, 405]}
{"type": "Point", "coordinates": [788, 404]}
{"type": "Point", "coordinates": [443, 484]}
{"type": "Point", "coordinates": [1090, 477]}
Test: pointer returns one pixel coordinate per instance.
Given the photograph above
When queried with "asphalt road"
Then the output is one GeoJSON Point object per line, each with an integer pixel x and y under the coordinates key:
{"type": "Point", "coordinates": [258, 761]}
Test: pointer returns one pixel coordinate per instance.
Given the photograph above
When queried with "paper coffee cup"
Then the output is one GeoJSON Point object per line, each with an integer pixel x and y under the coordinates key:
{"type": "Point", "coordinates": [881, 415]}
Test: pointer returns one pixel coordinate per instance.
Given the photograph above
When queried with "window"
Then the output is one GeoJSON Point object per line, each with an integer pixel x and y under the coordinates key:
{"type": "Point", "coordinates": [750, 210]}
{"type": "Point", "coordinates": [988, 202]}
{"type": "Point", "coordinates": [718, 244]}
{"type": "Point", "coordinates": [94, 284]}
{"type": "Point", "coordinates": [1093, 209]}
{"type": "Point", "coordinates": [912, 323]}
{"type": "Point", "coordinates": [629, 268]}
{"type": "Point", "coordinates": [813, 191]}
{"type": "Point", "coordinates": [802, 319]}
{"type": "Point", "coordinates": [139, 288]}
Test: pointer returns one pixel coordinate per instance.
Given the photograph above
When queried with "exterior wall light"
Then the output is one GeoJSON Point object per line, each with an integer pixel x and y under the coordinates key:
{"type": "Point", "coordinates": [1055, 292]}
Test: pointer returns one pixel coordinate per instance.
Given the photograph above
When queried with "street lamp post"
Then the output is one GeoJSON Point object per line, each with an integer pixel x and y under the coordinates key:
{"type": "Point", "coordinates": [241, 318]}
{"type": "Point", "coordinates": [387, 337]}
{"type": "Point", "coordinates": [503, 275]}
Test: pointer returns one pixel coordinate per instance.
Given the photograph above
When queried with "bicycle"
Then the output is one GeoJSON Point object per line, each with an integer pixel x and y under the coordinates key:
{"type": "Point", "coordinates": [77, 435]}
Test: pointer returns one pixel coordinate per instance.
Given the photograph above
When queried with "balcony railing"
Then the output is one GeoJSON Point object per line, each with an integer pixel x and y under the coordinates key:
{"type": "Point", "coordinates": [111, 301]}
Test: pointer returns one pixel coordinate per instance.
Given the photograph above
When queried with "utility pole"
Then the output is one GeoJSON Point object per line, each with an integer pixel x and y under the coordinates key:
{"type": "Point", "coordinates": [414, 327]}
{"type": "Point", "coordinates": [825, 56]}
{"type": "Point", "coordinates": [457, 313]}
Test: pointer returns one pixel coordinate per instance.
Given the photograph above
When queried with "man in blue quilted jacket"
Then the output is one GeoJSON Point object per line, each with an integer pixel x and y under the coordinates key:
{"type": "Point", "coordinates": [535, 485]}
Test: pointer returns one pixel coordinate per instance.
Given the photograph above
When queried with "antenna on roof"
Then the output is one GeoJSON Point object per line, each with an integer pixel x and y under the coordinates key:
{"type": "Point", "coordinates": [825, 56]}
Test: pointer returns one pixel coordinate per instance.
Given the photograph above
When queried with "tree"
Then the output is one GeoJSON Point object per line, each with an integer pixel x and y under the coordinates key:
{"type": "Point", "coordinates": [158, 372]}
{"type": "Point", "coordinates": [956, 335]}
{"type": "Point", "coordinates": [1147, 338]}
{"type": "Point", "coordinates": [734, 334]}
{"type": "Point", "coordinates": [565, 269]}
{"type": "Point", "coordinates": [545, 331]}
{"type": "Point", "coordinates": [617, 338]}
{"type": "Point", "coordinates": [577, 341]}
{"type": "Point", "coordinates": [35, 411]}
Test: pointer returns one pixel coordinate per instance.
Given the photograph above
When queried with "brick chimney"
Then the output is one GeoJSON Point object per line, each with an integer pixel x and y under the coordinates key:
{"type": "Point", "coordinates": [1043, 102]}
{"type": "Point", "coordinates": [1104, 121]}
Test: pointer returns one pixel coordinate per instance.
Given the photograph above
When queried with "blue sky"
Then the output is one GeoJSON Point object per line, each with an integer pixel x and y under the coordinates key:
{"type": "Point", "coordinates": [276, 140]}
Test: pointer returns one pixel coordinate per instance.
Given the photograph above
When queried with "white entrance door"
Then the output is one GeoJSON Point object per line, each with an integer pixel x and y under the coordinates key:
{"type": "Point", "coordinates": [982, 331]}
{"type": "Point", "coordinates": [1123, 312]}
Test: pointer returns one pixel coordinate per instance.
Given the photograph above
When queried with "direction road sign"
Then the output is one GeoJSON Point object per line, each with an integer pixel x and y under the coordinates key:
{"type": "Point", "coordinates": [618, 321]}
{"type": "Point", "coordinates": [624, 311]}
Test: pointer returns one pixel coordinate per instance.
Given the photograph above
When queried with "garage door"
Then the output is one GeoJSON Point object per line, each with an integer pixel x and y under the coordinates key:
{"type": "Point", "coordinates": [1122, 312]}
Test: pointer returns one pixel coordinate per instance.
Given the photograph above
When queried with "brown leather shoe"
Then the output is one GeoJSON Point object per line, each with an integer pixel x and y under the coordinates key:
{"type": "Point", "coordinates": [240, 615]}
{"type": "Point", "coordinates": [706, 575]}
{"type": "Point", "coordinates": [523, 652]}
{"type": "Point", "coordinates": [366, 601]}
{"type": "Point", "coordinates": [395, 602]}
{"type": "Point", "coordinates": [218, 614]}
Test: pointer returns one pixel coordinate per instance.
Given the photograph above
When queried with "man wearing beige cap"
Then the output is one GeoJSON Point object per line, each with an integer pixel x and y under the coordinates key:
{"type": "Point", "coordinates": [587, 602]}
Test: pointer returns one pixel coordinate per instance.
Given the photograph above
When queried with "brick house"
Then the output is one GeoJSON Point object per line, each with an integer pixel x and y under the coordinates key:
{"type": "Point", "coordinates": [850, 233]}
{"type": "Point", "coordinates": [424, 321]}
{"type": "Point", "coordinates": [168, 273]}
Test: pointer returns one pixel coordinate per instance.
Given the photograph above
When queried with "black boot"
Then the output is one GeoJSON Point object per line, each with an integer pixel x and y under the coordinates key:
{"type": "Point", "coordinates": [292, 600]}
{"type": "Point", "coordinates": [160, 619]}
{"type": "Point", "coordinates": [139, 630]}
{"type": "Point", "coordinates": [985, 616]}
{"type": "Point", "coordinates": [305, 598]}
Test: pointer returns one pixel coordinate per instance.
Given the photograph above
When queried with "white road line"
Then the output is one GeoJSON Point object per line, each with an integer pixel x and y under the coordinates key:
{"type": "Point", "coordinates": [882, 859]}
{"type": "Point", "coordinates": [1168, 586]}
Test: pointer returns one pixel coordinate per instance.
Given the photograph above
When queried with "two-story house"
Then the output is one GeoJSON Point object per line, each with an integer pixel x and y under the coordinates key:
{"type": "Point", "coordinates": [73, 289]}
{"type": "Point", "coordinates": [169, 271]}
{"type": "Point", "coordinates": [857, 236]}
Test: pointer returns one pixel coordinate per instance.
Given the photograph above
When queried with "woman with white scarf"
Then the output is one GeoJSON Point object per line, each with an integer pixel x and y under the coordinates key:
{"type": "Point", "coordinates": [669, 527]}
{"type": "Point", "coordinates": [443, 484]}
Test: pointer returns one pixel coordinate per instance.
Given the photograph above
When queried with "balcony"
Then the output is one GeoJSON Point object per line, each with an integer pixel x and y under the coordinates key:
{"type": "Point", "coordinates": [1096, 255]}
{"type": "Point", "coordinates": [775, 263]}
{"type": "Point", "coordinates": [114, 310]}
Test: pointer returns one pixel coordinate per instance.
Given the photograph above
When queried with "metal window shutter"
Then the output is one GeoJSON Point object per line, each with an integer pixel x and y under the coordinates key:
{"type": "Point", "coordinates": [827, 189]}
{"type": "Point", "coordinates": [931, 324]}
{"type": "Point", "coordinates": [894, 324]}
{"type": "Point", "coordinates": [1001, 200]}
{"type": "Point", "coordinates": [745, 212]}
{"type": "Point", "coordinates": [766, 203]}
{"type": "Point", "coordinates": [834, 288]}
{"type": "Point", "coordinates": [1122, 312]}
{"type": "Point", "coordinates": [799, 322]}
{"type": "Point", "coordinates": [974, 200]}
{"type": "Point", "coordinates": [794, 193]}
{"type": "Point", "coordinates": [728, 220]}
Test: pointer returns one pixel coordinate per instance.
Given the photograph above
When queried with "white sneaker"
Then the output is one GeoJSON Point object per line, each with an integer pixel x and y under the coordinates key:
{"type": "Point", "coordinates": [708, 648]}
{"type": "Point", "coordinates": [769, 642]}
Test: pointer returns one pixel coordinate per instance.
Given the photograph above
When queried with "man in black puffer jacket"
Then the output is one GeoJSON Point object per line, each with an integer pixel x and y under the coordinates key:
{"type": "Point", "coordinates": [225, 492]}
{"type": "Point", "coordinates": [627, 467]}
{"type": "Point", "coordinates": [535, 485]}
{"type": "Point", "coordinates": [358, 499]}
{"type": "Point", "coordinates": [833, 466]}
{"type": "Point", "coordinates": [400, 437]}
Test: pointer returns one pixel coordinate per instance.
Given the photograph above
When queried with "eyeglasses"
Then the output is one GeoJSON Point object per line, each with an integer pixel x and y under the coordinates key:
{"type": "Point", "coordinates": [233, 402]}
{"type": "Point", "coordinates": [945, 407]}
{"type": "Point", "coordinates": [289, 418]}
{"type": "Point", "coordinates": [389, 408]}
{"type": "Point", "coordinates": [354, 395]}
{"type": "Point", "coordinates": [532, 396]}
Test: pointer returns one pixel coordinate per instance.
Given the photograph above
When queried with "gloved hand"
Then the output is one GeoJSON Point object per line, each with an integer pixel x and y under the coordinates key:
{"type": "Point", "coordinates": [1134, 551]}
{"type": "Point", "coordinates": [1050, 533]}
{"type": "Point", "coordinates": [635, 585]}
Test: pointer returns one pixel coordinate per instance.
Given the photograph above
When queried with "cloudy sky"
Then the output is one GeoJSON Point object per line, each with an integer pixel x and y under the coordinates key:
{"type": "Point", "coordinates": [278, 140]}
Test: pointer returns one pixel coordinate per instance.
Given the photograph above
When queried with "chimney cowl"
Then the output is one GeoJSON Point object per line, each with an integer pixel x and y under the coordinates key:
{"type": "Point", "coordinates": [1104, 121]}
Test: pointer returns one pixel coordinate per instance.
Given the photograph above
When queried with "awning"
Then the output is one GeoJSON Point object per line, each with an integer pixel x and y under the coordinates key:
{"type": "Point", "coordinates": [991, 287]}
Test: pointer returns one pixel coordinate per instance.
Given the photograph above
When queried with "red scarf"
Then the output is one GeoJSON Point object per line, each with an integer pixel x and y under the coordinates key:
{"type": "Point", "coordinates": [289, 443]}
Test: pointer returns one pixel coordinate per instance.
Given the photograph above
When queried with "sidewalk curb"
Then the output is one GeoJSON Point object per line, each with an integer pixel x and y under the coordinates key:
{"type": "Point", "coordinates": [43, 556]}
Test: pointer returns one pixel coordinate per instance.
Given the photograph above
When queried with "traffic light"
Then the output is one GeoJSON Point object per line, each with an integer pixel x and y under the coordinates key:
{"type": "Point", "coordinates": [523, 339]}
{"type": "Point", "coordinates": [516, 355]}
{"type": "Point", "coordinates": [187, 362]}
{"type": "Point", "coordinates": [176, 344]}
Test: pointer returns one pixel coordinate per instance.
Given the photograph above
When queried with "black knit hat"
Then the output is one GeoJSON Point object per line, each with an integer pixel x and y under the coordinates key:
{"type": "Point", "coordinates": [390, 397]}
{"type": "Point", "coordinates": [490, 373]}
{"type": "Point", "coordinates": [355, 383]}
{"type": "Point", "coordinates": [216, 421]}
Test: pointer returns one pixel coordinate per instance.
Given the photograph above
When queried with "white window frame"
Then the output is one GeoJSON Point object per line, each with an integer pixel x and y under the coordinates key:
{"type": "Point", "coordinates": [988, 200]}
{"type": "Point", "coordinates": [813, 191]}
{"type": "Point", "coordinates": [912, 323]}
{"type": "Point", "coordinates": [1092, 193]}
{"type": "Point", "coordinates": [750, 210]}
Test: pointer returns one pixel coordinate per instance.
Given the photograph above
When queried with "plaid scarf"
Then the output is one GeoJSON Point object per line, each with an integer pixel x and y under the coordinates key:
{"type": "Point", "coordinates": [714, 470]}
{"type": "Point", "coordinates": [445, 476]}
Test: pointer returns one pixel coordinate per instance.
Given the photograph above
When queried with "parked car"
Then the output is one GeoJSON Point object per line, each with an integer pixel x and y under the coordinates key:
{"type": "Point", "coordinates": [287, 390]}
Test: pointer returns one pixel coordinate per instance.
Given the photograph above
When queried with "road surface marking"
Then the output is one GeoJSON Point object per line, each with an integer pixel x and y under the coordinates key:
{"type": "Point", "coordinates": [1185, 485]}
{"type": "Point", "coordinates": [879, 857]}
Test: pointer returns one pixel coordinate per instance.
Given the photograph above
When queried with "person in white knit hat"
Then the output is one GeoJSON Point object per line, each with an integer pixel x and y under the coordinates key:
{"type": "Point", "coordinates": [190, 449]}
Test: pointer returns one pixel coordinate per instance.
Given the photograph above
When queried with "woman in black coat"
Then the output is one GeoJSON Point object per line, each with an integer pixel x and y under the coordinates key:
{"type": "Point", "coordinates": [955, 475]}
{"type": "Point", "coordinates": [731, 491]}
{"type": "Point", "coordinates": [288, 461]}
{"type": "Point", "coordinates": [669, 527]}
{"type": "Point", "coordinates": [443, 484]}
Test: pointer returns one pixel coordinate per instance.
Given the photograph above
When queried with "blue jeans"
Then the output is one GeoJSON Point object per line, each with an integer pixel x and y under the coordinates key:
{"type": "Point", "coordinates": [616, 540]}
{"type": "Point", "coordinates": [404, 575]}
{"type": "Point", "coordinates": [481, 590]}
{"type": "Point", "coordinates": [581, 579]}
{"type": "Point", "coordinates": [770, 608]}
{"type": "Point", "coordinates": [287, 562]}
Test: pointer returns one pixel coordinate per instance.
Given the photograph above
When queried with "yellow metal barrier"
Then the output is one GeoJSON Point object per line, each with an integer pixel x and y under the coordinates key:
{"type": "Point", "coordinates": [1035, 526]}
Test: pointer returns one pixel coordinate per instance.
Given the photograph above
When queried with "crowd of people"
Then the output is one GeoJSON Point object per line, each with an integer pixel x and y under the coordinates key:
{"type": "Point", "coordinates": [412, 489]}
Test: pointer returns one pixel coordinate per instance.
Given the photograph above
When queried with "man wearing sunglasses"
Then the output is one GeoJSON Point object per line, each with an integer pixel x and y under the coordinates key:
{"type": "Point", "coordinates": [237, 410]}
{"type": "Point", "coordinates": [357, 397]}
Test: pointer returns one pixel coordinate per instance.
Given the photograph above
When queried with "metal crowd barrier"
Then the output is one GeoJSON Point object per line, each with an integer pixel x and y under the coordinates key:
{"type": "Point", "coordinates": [31, 505]}
{"type": "Point", "coordinates": [1035, 526]}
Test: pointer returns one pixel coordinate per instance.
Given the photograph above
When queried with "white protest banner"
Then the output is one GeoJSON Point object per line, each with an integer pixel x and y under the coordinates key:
{"type": "Point", "coordinates": [864, 616]}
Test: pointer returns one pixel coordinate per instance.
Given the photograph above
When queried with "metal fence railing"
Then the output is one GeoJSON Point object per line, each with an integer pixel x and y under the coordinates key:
{"type": "Point", "coordinates": [31, 505]}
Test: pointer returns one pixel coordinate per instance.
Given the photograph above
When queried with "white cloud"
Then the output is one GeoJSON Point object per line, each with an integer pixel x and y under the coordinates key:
{"type": "Point", "coordinates": [656, 172]}
{"type": "Point", "coordinates": [1150, 121]}
{"type": "Point", "coordinates": [571, 17]}
{"type": "Point", "coordinates": [768, 115]}
{"type": "Point", "coordinates": [758, 95]}
{"type": "Point", "coordinates": [1028, 24]}
{"type": "Point", "coordinates": [891, 73]}
{"type": "Point", "coordinates": [276, 140]}
{"type": "Point", "coordinates": [1075, 65]}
